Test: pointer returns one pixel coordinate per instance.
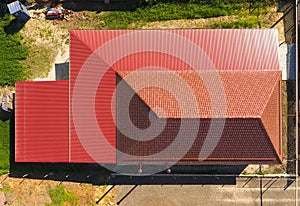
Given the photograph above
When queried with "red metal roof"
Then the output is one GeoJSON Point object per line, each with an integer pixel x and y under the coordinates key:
{"type": "Point", "coordinates": [41, 121]}
{"type": "Point", "coordinates": [95, 56]}
{"type": "Point", "coordinates": [204, 49]}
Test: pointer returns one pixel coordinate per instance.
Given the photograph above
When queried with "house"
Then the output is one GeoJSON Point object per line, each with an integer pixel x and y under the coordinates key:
{"type": "Point", "coordinates": [157, 97]}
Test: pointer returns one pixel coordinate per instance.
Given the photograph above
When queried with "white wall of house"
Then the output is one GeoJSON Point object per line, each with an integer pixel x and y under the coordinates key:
{"type": "Point", "coordinates": [287, 57]}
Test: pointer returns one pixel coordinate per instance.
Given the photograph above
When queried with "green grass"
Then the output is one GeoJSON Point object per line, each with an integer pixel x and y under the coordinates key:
{"type": "Point", "coordinates": [4, 147]}
{"type": "Point", "coordinates": [60, 196]}
{"type": "Point", "coordinates": [250, 22]}
{"type": "Point", "coordinates": [169, 11]}
{"type": "Point", "coordinates": [11, 53]}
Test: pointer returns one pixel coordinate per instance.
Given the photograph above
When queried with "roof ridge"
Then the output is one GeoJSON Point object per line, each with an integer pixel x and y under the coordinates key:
{"type": "Point", "coordinates": [85, 44]}
{"type": "Point", "coordinates": [270, 94]}
{"type": "Point", "coordinates": [75, 34]}
{"type": "Point", "coordinates": [154, 112]}
{"type": "Point", "coordinates": [270, 141]}
{"type": "Point", "coordinates": [266, 124]}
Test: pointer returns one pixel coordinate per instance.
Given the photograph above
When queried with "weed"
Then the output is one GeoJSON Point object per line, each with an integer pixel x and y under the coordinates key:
{"type": "Point", "coordinates": [60, 196]}
{"type": "Point", "coordinates": [261, 172]}
{"type": "Point", "coordinates": [245, 172]}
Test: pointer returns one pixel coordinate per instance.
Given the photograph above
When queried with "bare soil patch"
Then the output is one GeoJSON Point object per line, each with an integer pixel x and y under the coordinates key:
{"type": "Point", "coordinates": [27, 192]}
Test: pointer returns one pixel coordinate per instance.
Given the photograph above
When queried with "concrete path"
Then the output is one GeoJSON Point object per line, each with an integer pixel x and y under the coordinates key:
{"type": "Point", "coordinates": [246, 191]}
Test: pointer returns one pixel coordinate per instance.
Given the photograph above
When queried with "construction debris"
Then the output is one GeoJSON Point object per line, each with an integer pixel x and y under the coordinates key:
{"type": "Point", "coordinates": [50, 13]}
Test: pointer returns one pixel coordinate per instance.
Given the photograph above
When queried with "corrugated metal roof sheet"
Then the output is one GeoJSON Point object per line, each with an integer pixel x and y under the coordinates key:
{"type": "Point", "coordinates": [41, 121]}
{"type": "Point", "coordinates": [14, 7]}
{"type": "Point", "coordinates": [204, 49]}
{"type": "Point", "coordinates": [19, 10]}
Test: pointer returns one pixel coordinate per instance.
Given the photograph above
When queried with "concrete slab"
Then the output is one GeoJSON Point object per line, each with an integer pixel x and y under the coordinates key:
{"type": "Point", "coordinates": [267, 191]}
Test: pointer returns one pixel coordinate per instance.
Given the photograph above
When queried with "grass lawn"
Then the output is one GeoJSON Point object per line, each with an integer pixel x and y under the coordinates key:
{"type": "Point", "coordinates": [4, 147]}
{"type": "Point", "coordinates": [11, 53]}
{"type": "Point", "coordinates": [175, 11]}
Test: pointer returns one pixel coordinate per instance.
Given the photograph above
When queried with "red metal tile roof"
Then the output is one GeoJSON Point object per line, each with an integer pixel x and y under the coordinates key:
{"type": "Point", "coordinates": [243, 141]}
{"type": "Point", "coordinates": [252, 131]}
{"type": "Point", "coordinates": [246, 92]}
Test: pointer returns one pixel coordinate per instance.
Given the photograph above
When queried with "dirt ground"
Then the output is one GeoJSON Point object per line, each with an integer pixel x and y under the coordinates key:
{"type": "Point", "coordinates": [27, 192]}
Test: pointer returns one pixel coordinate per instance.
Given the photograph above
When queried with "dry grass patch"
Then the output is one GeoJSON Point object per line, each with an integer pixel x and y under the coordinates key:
{"type": "Point", "coordinates": [44, 40]}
